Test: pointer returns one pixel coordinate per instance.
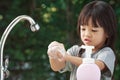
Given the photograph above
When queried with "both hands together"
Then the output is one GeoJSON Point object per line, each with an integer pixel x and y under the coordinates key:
{"type": "Point", "coordinates": [56, 51]}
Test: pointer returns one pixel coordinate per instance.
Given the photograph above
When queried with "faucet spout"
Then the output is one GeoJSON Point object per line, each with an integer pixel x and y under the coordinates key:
{"type": "Point", "coordinates": [33, 26]}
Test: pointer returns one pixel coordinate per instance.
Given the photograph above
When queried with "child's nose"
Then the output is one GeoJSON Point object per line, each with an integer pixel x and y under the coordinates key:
{"type": "Point", "coordinates": [88, 33]}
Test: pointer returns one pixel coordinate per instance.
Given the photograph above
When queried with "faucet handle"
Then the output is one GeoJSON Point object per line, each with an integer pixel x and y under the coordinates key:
{"type": "Point", "coordinates": [6, 62]}
{"type": "Point", "coordinates": [6, 71]}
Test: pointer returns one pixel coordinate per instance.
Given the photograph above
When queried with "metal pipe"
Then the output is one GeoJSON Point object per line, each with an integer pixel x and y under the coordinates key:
{"type": "Point", "coordinates": [33, 26]}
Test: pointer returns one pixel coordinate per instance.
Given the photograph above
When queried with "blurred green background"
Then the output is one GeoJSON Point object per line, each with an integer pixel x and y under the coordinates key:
{"type": "Point", "coordinates": [27, 51]}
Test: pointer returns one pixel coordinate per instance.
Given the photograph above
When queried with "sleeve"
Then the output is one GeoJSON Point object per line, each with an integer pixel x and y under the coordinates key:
{"type": "Point", "coordinates": [108, 57]}
{"type": "Point", "coordinates": [74, 50]}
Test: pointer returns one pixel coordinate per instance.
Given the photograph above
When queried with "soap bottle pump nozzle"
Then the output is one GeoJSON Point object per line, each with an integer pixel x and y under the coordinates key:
{"type": "Point", "coordinates": [88, 50]}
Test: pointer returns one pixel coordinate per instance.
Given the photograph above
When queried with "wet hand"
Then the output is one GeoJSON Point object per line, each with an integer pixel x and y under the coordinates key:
{"type": "Point", "coordinates": [56, 50]}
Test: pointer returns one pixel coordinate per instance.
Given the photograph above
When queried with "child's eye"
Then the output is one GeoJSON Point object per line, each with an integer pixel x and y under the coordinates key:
{"type": "Point", "coordinates": [83, 29]}
{"type": "Point", "coordinates": [94, 30]}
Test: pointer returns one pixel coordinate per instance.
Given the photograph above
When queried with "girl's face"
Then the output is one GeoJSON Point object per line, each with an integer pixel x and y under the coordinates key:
{"type": "Point", "coordinates": [93, 36]}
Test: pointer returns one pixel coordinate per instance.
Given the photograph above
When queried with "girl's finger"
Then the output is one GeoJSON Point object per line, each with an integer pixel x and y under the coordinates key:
{"type": "Point", "coordinates": [54, 43]}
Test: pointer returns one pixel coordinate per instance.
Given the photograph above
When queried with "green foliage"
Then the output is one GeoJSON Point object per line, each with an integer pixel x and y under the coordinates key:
{"type": "Point", "coordinates": [57, 20]}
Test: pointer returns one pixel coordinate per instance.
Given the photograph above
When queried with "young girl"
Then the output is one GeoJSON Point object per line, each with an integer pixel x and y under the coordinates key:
{"type": "Point", "coordinates": [96, 27]}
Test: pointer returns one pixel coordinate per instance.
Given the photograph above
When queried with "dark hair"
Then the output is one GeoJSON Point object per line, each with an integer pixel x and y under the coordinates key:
{"type": "Point", "coordinates": [101, 14]}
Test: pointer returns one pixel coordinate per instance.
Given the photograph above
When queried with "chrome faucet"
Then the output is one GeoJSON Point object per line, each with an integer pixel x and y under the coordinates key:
{"type": "Point", "coordinates": [33, 26]}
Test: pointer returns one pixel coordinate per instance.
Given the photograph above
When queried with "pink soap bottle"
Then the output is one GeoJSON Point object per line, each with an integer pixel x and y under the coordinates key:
{"type": "Point", "coordinates": [88, 70]}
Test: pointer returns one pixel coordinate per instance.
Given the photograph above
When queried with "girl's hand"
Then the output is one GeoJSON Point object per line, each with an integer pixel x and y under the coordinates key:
{"type": "Point", "coordinates": [56, 50]}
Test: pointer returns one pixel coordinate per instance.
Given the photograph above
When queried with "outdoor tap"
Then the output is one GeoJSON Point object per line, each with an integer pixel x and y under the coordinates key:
{"type": "Point", "coordinates": [33, 26]}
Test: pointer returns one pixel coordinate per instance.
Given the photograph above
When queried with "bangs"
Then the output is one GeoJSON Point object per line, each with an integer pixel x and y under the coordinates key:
{"type": "Point", "coordinates": [95, 13]}
{"type": "Point", "coordinates": [92, 15]}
